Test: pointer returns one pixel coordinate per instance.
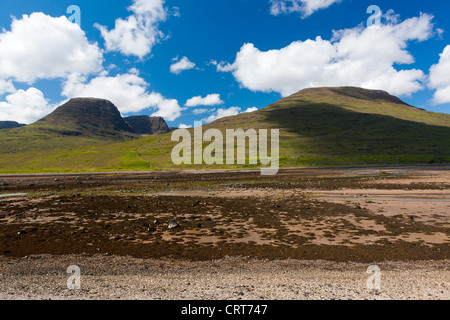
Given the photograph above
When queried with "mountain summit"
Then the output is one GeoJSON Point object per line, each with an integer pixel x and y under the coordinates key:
{"type": "Point", "coordinates": [350, 93]}
{"type": "Point", "coordinates": [87, 116]}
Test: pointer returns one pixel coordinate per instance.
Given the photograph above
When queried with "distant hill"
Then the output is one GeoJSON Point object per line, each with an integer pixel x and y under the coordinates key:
{"type": "Point", "coordinates": [148, 125]}
{"type": "Point", "coordinates": [10, 125]}
{"type": "Point", "coordinates": [318, 127]}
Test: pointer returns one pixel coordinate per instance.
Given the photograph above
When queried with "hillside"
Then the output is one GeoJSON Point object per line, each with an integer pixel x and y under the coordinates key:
{"type": "Point", "coordinates": [347, 125]}
{"type": "Point", "coordinates": [318, 127]}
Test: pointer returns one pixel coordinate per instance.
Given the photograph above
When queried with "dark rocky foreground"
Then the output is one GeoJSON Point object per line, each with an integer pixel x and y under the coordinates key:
{"type": "Point", "coordinates": [215, 215]}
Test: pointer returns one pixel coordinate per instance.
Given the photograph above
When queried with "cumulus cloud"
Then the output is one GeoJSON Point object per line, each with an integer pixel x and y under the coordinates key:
{"type": "Point", "coordinates": [181, 65]}
{"type": "Point", "coordinates": [39, 46]}
{"type": "Point", "coordinates": [221, 66]}
{"type": "Point", "coordinates": [439, 78]}
{"type": "Point", "coordinates": [221, 113]}
{"type": "Point", "coordinates": [25, 106]}
{"type": "Point", "coordinates": [209, 100]}
{"type": "Point", "coordinates": [251, 110]}
{"type": "Point", "coordinates": [138, 33]}
{"type": "Point", "coordinates": [127, 91]}
{"type": "Point", "coordinates": [6, 86]}
{"type": "Point", "coordinates": [169, 109]}
{"type": "Point", "coordinates": [363, 57]}
{"type": "Point", "coordinates": [184, 126]}
{"type": "Point", "coordinates": [304, 7]}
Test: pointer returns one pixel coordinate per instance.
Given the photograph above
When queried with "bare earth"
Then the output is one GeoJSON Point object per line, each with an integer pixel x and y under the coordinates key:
{"type": "Point", "coordinates": [303, 234]}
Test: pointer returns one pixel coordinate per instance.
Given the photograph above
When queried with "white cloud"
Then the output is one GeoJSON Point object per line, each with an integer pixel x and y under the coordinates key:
{"type": "Point", "coordinates": [201, 111]}
{"type": "Point", "coordinates": [304, 7]}
{"type": "Point", "coordinates": [169, 109]}
{"type": "Point", "coordinates": [363, 57]}
{"type": "Point", "coordinates": [209, 100]}
{"type": "Point", "coordinates": [221, 66]}
{"type": "Point", "coordinates": [184, 126]}
{"type": "Point", "coordinates": [127, 91]}
{"type": "Point", "coordinates": [176, 12]}
{"type": "Point", "coordinates": [42, 47]}
{"type": "Point", "coordinates": [138, 33]}
{"type": "Point", "coordinates": [6, 86]}
{"type": "Point", "coordinates": [181, 65]}
{"type": "Point", "coordinates": [25, 106]}
{"type": "Point", "coordinates": [439, 78]}
{"type": "Point", "coordinates": [221, 113]}
{"type": "Point", "coordinates": [251, 110]}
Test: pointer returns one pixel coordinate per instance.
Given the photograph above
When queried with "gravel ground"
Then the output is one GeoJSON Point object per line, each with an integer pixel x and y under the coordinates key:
{"type": "Point", "coordinates": [118, 278]}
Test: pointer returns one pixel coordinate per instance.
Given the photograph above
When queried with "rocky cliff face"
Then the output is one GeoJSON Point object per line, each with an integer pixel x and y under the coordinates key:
{"type": "Point", "coordinates": [148, 125]}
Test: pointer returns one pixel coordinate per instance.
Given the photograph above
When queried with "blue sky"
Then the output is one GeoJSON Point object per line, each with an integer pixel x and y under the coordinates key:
{"type": "Point", "coordinates": [227, 56]}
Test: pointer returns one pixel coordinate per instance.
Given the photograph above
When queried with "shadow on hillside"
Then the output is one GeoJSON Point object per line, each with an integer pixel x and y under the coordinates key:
{"type": "Point", "coordinates": [334, 131]}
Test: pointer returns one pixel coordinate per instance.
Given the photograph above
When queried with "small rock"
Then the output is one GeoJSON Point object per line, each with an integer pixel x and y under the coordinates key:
{"type": "Point", "coordinates": [151, 229]}
{"type": "Point", "coordinates": [173, 224]}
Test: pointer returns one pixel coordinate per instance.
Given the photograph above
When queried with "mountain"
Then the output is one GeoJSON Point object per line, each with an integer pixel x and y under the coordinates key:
{"type": "Point", "coordinates": [88, 116]}
{"type": "Point", "coordinates": [318, 126]}
{"type": "Point", "coordinates": [349, 125]}
{"type": "Point", "coordinates": [78, 122]}
{"type": "Point", "coordinates": [148, 125]}
{"type": "Point", "coordinates": [10, 125]}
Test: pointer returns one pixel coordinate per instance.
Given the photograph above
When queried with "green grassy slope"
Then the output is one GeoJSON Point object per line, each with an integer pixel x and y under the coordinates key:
{"type": "Point", "coordinates": [321, 126]}
{"type": "Point", "coordinates": [356, 126]}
